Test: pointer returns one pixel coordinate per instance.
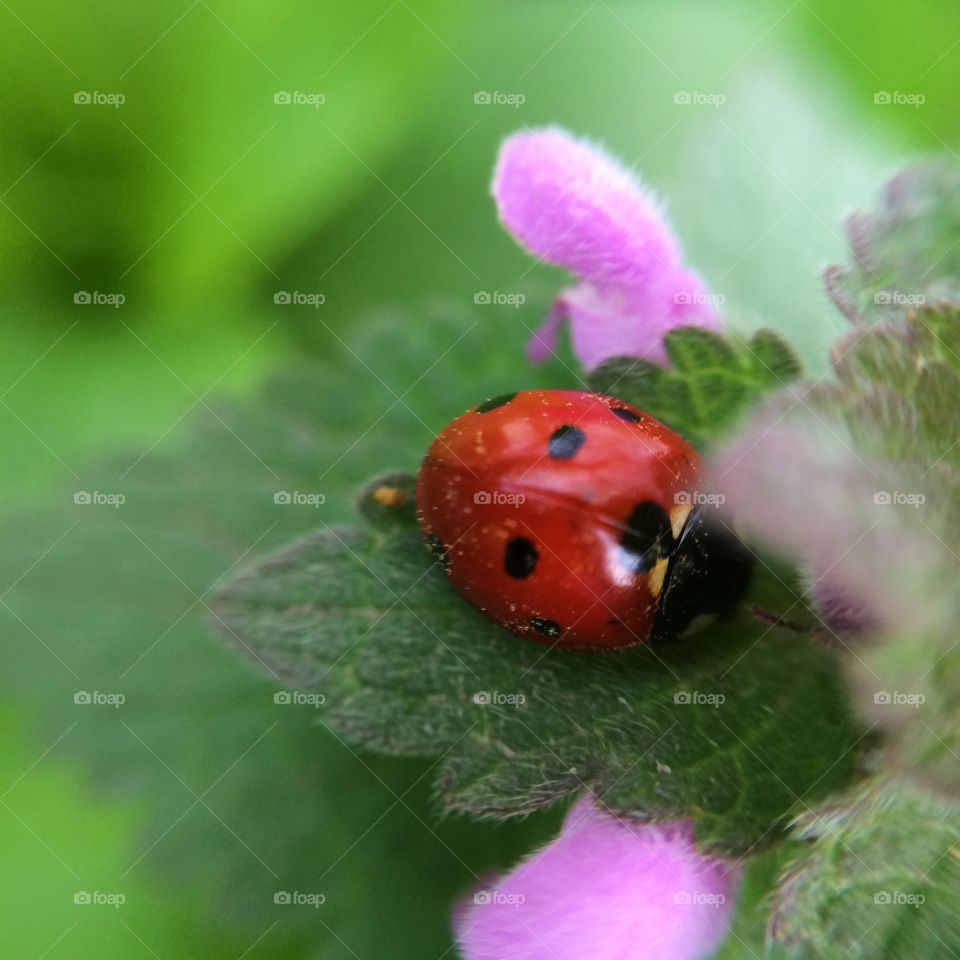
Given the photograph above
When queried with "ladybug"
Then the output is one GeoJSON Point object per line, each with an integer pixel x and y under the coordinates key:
{"type": "Point", "coordinates": [573, 519]}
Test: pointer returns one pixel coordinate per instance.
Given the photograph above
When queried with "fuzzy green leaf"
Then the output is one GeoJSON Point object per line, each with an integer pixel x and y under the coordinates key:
{"type": "Point", "coordinates": [408, 667]}
{"type": "Point", "coordinates": [882, 439]}
{"type": "Point", "coordinates": [878, 881]}
{"type": "Point", "coordinates": [712, 380]}
{"type": "Point", "coordinates": [897, 389]}
{"type": "Point", "coordinates": [905, 254]}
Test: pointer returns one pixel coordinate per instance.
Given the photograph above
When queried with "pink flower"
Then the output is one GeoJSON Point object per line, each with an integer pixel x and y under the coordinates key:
{"type": "Point", "coordinates": [570, 203]}
{"type": "Point", "coordinates": [606, 889]}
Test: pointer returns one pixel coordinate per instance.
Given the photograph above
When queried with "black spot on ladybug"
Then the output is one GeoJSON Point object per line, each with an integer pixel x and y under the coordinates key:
{"type": "Point", "coordinates": [495, 402]}
{"type": "Point", "coordinates": [549, 628]}
{"type": "Point", "coordinates": [647, 536]}
{"type": "Point", "coordinates": [624, 414]}
{"type": "Point", "coordinates": [439, 551]}
{"type": "Point", "coordinates": [520, 558]}
{"type": "Point", "coordinates": [616, 622]}
{"type": "Point", "coordinates": [565, 441]}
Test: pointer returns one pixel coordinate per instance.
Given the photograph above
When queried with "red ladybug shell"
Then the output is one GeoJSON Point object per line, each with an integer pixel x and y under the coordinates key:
{"type": "Point", "coordinates": [555, 513]}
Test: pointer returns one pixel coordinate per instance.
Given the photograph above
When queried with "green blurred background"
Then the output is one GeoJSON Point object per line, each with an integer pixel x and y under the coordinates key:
{"type": "Point", "coordinates": [201, 201]}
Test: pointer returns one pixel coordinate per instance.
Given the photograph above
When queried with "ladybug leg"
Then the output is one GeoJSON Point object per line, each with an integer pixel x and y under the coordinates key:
{"type": "Point", "coordinates": [821, 634]}
{"type": "Point", "coordinates": [708, 575]}
{"type": "Point", "coordinates": [762, 613]}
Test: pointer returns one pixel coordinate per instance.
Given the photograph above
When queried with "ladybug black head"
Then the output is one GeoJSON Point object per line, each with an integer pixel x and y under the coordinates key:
{"type": "Point", "coordinates": [708, 574]}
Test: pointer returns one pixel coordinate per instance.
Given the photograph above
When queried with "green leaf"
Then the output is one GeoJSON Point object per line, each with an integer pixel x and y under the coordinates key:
{"type": "Point", "coordinates": [938, 331]}
{"type": "Point", "coordinates": [905, 254]}
{"type": "Point", "coordinates": [693, 350]}
{"type": "Point", "coordinates": [711, 382]}
{"type": "Point", "coordinates": [878, 880]}
{"type": "Point", "coordinates": [745, 938]}
{"type": "Point", "coordinates": [775, 363]}
{"type": "Point", "coordinates": [408, 667]}
{"type": "Point", "coordinates": [898, 386]}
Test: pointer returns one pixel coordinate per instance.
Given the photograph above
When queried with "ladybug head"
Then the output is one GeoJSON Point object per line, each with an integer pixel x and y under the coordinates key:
{"type": "Point", "coordinates": [708, 574]}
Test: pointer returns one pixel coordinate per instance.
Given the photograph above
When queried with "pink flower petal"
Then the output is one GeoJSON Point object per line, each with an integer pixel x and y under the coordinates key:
{"type": "Point", "coordinates": [606, 889]}
{"type": "Point", "coordinates": [545, 336]}
{"type": "Point", "coordinates": [571, 204]}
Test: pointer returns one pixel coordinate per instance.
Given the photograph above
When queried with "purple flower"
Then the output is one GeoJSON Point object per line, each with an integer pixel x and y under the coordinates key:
{"type": "Point", "coordinates": [570, 203]}
{"type": "Point", "coordinates": [607, 888]}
